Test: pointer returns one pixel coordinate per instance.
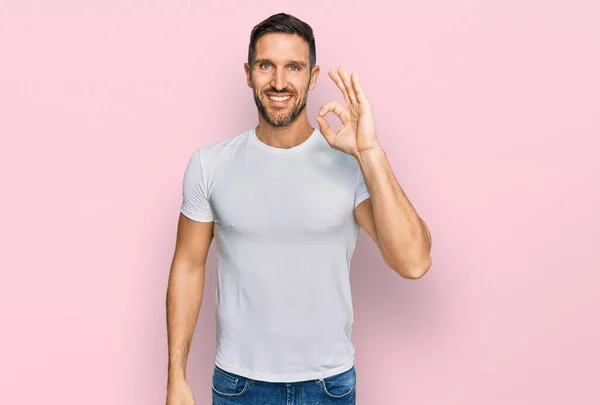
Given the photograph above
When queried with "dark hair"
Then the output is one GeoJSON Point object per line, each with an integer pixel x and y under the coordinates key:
{"type": "Point", "coordinates": [285, 23]}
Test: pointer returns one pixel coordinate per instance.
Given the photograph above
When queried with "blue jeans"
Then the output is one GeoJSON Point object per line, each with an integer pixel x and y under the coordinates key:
{"type": "Point", "coordinates": [234, 389]}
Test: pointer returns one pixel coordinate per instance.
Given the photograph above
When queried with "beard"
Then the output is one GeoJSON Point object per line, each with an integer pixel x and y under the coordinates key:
{"type": "Point", "coordinates": [279, 118]}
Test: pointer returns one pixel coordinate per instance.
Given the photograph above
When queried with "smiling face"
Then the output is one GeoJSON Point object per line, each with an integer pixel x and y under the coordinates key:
{"type": "Point", "coordinates": [281, 77]}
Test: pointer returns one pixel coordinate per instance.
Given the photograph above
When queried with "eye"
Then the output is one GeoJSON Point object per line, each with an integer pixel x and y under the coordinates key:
{"type": "Point", "coordinates": [295, 66]}
{"type": "Point", "coordinates": [263, 64]}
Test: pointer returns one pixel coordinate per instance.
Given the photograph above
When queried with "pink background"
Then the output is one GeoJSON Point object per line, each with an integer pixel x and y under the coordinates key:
{"type": "Point", "coordinates": [488, 111]}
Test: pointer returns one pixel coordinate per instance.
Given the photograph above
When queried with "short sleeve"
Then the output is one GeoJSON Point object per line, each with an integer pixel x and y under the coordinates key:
{"type": "Point", "coordinates": [195, 203]}
{"type": "Point", "coordinates": [362, 192]}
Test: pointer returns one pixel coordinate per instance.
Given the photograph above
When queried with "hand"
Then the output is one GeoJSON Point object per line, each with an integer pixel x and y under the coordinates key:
{"type": "Point", "coordinates": [179, 392]}
{"type": "Point", "coordinates": [357, 133]}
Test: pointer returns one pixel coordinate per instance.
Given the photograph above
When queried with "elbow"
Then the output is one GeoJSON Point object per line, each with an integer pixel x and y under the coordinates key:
{"type": "Point", "coordinates": [419, 272]}
{"type": "Point", "coordinates": [413, 271]}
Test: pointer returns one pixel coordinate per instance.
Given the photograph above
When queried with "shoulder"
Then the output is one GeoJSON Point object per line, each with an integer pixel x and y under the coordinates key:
{"type": "Point", "coordinates": [220, 151]}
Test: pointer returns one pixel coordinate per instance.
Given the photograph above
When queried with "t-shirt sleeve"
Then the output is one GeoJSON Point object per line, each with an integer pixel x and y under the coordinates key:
{"type": "Point", "coordinates": [362, 192]}
{"type": "Point", "coordinates": [195, 203]}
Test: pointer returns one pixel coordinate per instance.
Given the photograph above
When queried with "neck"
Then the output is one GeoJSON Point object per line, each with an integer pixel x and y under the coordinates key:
{"type": "Point", "coordinates": [284, 137]}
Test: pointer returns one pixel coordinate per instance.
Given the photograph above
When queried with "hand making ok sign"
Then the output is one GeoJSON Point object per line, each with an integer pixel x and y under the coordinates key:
{"type": "Point", "coordinates": [357, 132]}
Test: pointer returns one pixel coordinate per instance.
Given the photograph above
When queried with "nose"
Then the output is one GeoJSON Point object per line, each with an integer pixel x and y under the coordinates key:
{"type": "Point", "coordinates": [279, 80]}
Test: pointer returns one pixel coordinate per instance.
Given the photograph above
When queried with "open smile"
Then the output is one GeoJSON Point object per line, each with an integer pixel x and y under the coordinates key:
{"type": "Point", "coordinates": [279, 100]}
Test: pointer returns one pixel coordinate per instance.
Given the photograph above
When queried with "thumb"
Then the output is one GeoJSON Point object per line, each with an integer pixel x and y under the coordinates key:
{"type": "Point", "coordinates": [325, 129]}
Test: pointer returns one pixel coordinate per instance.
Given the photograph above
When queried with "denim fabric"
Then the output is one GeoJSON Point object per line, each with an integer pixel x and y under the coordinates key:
{"type": "Point", "coordinates": [233, 389]}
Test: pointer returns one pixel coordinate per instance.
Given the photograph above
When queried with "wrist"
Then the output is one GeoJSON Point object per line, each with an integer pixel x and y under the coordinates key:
{"type": "Point", "coordinates": [374, 152]}
{"type": "Point", "coordinates": [176, 374]}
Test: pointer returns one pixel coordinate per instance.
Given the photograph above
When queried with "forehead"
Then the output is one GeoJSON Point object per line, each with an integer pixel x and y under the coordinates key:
{"type": "Point", "coordinates": [281, 46]}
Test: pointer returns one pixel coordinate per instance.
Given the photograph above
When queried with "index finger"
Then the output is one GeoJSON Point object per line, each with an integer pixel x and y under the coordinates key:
{"type": "Point", "coordinates": [337, 109]}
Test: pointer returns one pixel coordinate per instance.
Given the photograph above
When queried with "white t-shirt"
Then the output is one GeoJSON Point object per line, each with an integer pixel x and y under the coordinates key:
{"type": "Point", "coordinates": [285, 232]}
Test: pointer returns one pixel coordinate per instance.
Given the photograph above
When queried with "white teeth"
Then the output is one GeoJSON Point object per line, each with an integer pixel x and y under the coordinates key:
{"type": "Point", "coordinates": [278, 98]}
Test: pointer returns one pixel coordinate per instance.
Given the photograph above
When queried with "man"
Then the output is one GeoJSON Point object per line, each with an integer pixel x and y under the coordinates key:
{"type": "Point", "coordinates": [286, 202]}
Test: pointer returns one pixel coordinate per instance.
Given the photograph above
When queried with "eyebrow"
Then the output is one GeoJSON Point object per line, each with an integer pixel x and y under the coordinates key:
{"type": "Point", "coordinates": [297, 62]}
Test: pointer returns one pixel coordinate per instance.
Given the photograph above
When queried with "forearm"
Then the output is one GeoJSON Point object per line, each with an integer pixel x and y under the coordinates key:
{"type": "Point", "coordinates": [184, 298]}
{"type": "Point", "coordinates": [402, 236]}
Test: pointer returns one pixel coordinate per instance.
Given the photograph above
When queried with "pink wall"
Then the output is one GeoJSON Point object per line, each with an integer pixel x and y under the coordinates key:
{"type": "Point", "coordinates": [488, 111]}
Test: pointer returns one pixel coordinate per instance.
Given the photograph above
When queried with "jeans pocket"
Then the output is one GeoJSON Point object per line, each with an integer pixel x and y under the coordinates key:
{"type": "Point", "coordinates": [340, 385]}
{"type": "Point", "coordinates": [228, 384]}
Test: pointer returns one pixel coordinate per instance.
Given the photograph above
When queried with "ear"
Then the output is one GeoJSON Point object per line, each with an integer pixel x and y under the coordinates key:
{"type": "Point", "coordinates": [314, 77]}
{"type": "Point", "coordinates": [248, 74]}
